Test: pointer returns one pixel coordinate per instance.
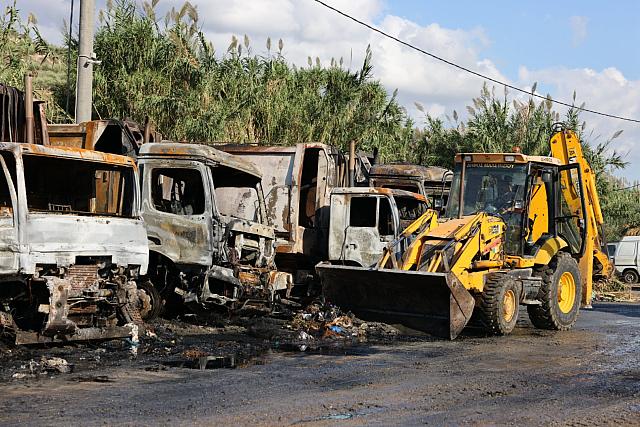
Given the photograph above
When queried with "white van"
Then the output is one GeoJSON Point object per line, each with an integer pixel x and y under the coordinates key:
{"type": "Point", "coordinates": [625, 255]}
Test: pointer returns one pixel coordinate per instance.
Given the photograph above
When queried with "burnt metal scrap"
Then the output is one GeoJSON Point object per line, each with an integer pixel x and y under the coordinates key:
{"type": "Point", "coordinates": [432, 182]}
{"type": "Point", "coordinates": [297, 182]}
{"type": "Point", "coordinates": [364, 220]}
{"type": "Point", "coordinates": [73, 259]}
{"type": "Point", "coordinates": [209, 237]}
{"type": "Point", "coordinates": [13, 122]}
{"type": "Point", "coordinates": [123, 137]}
{"type": "Point", "coordinates": [69, 256]}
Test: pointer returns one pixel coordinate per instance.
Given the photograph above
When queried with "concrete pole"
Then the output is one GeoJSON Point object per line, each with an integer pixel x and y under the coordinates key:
{"type": "Point", "coordinates": [84, 82]}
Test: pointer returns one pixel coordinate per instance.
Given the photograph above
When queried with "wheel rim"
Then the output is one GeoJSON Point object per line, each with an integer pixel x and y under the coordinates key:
{"type": "Point", "coordinates": [566, 292]}
{"type": "Point", "coordinates": [509, 304]}
{"type": "Point", "coordinates": [629, 278]}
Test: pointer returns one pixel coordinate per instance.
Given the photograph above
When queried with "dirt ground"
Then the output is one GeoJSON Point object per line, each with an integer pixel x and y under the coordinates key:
{"type": "Point", "coordinates": [269, 376]}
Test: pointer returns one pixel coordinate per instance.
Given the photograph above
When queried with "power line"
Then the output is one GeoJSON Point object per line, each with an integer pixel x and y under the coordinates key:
{"type": "Point", "coordinates": [468, 70]}
{"type": "Point", "coordinates": [626, 188]}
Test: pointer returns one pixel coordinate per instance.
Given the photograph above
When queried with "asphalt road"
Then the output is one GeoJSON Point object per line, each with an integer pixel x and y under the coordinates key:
{"type": "Point", "coordinates": [587, 376]}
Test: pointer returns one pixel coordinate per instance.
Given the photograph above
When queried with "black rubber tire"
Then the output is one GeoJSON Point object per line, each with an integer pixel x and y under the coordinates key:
{"type": "Point", "coordinates": [490, 304]}
{"type": "Point", "coordinates": [630, 277]}
{"type": "Point", "coordinates": [548, 315]}
{"type": "Point", "coordinates": [157, 302]}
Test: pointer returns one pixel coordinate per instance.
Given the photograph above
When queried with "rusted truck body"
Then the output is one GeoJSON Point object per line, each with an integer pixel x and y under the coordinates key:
{"type": "Point", "coordinates": [365, 220]}
{"type": "Point", "coordinates": [72, 244]}
{"type": "Point", "coordinates": [109, 136]}
{"type": "Point", "coordinates": [297, 182]}
{"type": "Point", "coordinates": [209, 239]}
{"type": "Point", "coordinates": [432, 182]}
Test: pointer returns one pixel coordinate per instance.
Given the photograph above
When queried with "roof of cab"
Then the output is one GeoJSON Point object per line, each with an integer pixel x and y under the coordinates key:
{"type": "Point", "coordinates": [500, 158]}
{"type": "Point", "coordinates": [67, 152]}
{"type": "Point", "coordinates": [378, 190]}
{"type": "Point", "coordinates": [179, 149]}
{"type": "Point", "coordinates": [427, 173]}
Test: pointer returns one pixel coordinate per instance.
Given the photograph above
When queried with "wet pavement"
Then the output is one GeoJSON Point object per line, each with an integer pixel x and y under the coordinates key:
{"type": "Point", "coordinates": [241, 375]}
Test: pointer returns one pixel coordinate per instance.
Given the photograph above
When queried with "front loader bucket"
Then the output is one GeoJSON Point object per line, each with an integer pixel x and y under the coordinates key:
{"type": "Point", "coordinates": [435, 303]}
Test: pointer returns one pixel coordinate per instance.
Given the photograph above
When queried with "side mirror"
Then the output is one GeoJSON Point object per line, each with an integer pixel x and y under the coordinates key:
{"type": "Point", "coordinates": [547, 177]}
{"type": "Point", "coordinates": [437, 203]}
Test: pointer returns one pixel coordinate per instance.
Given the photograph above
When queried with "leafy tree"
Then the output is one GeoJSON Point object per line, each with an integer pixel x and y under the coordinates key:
{"type": "Point", "coordinates": [170, 72]}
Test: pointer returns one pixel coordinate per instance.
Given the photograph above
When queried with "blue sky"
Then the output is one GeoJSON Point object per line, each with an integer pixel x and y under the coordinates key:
{"type": "Point", "coordinates": [587, 46]}
{"type": "Point", "coordinates": [539, 33]}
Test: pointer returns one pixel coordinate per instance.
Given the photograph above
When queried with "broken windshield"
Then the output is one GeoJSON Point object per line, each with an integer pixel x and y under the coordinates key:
{"type": "Point", "coordinates": [74, 186]}
{"type": "Point", "coordinates": [409, 209]}
{"type": "Point", "coordinates": [488, 187]}
{"type": "Point", "coordinates": [238, 194]}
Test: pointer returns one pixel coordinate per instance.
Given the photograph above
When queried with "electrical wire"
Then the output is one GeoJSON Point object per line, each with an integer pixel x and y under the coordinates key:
{"type": "Point", "coordinates": [470, 71]}
{"type": "Point", "coordinates": [626, 188]}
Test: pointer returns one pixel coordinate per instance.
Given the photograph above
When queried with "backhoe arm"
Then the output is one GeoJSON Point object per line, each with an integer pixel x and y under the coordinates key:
{"type": "Point", "coordinates": [565, 145]}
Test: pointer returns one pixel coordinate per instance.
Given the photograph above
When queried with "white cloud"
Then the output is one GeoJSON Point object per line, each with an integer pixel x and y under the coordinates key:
{"type": "Point", "coordinates": [311, 30]}
{"type": "Point", "coordinates": [606, 91]}
{"type": "Point", "coordinates": [578, 25]}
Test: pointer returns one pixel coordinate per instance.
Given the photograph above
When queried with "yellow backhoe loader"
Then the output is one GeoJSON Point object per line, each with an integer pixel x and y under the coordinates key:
{"type": "Point", "coordinates": [518, 230]}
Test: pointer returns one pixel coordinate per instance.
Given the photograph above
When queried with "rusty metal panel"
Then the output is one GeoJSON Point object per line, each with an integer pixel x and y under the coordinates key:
{"type": "Point", "coordinates": [184, 239]}
{"type": "Point", "coordinates": [200, 152]}
{"type": "Point", "coordinates": [277, 178]}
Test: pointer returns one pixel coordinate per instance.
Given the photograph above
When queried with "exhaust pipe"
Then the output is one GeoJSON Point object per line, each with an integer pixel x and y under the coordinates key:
{"type": "Point", "coordinates": [28, 108]}
{"type": "Point", "coordinates": [352, 163]}
{"type": "Point", "coordinates": [147, 130]}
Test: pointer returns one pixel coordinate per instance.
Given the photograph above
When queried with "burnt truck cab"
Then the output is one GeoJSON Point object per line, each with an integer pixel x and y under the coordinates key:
{"type": "Point", "coordinates": [432, 182]}
{"type": "Point", "coordinates": [72, 244]}
{"type": "Point", "coordinates": [365, 220]}
{"type": "Point", "coordinates": [209, 239]}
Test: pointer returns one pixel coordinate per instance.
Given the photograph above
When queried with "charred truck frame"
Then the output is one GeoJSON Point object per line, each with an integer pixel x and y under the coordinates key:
{"type": "Point", "coordinates": [297, 182]}
{"type": "Point", "coordinates": [209, 240]}
{"type": "Point", "coordinates": [432, 182]}
{"type": "Point", "coordinates": [364, 221]}
{"type": "Point", "coordinates": [72, 244]}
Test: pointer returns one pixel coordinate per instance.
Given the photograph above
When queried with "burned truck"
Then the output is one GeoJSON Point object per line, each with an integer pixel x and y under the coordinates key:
{"type": "Point", "coordinates": [432, 182]}
{"type": "Point", "coordinates": [72, 244]}
{"type": "Point", "coordinates": [210, 242]}
{"type": "Point", "coordinates": [364, 221]}
{"type": "Point", "coordinates": [297, 182]}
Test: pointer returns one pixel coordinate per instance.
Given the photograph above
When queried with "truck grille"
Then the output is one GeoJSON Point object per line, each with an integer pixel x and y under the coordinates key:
{"type": "Point", "coordinates": [82, 276]}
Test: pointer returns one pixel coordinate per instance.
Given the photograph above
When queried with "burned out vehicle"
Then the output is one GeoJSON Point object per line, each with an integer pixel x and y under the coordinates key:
{"type": "Point", "coordinates": [297, 182]}
{"type": "Point", "coordinates": [210, 242]}
{"type": "Point", "coordinates": [72, 244]}
{"type": "Point", "coordinates": [364, 221]}
{"type": "Point", "coordinates": [432, 182]}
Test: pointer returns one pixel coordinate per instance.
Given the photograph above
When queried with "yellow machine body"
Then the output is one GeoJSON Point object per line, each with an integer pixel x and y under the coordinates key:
{"type": "Point", "coordinates": [438, 270]}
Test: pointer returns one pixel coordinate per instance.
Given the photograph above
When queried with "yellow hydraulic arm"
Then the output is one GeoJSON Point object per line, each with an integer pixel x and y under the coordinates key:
{"type": "Point", "coordinates": [565, 145]}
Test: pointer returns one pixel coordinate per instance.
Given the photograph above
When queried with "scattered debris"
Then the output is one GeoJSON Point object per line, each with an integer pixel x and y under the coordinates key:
{"type": "Point", "coordinates": [612, 290]}
{"type": "Point", "coordinates": [56, 364]}
{"type": "Point", "coordinates": [325, 321]}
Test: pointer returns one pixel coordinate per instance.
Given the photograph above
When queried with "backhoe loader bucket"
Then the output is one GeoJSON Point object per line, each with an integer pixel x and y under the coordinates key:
{"type": "Point", "coordinates": [435, 303]}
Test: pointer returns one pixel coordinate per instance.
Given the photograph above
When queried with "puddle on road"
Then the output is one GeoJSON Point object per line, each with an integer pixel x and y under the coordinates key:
{"type": "Point", "coordinates": [215, 362]}
{"type": "Point", "coordinates": [233, 361]}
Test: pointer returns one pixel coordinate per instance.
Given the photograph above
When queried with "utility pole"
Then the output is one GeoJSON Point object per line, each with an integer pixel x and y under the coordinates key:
{"type": "Point", "coordinates": [84, 82]}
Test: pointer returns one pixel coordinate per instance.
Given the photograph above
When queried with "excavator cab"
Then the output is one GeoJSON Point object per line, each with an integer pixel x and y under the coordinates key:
{"type": "Point", "coordinates": [518, 230]}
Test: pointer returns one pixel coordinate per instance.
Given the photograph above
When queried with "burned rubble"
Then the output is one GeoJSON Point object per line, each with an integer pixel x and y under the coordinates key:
{"type": "Point", "coordinates": [205, 341]}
